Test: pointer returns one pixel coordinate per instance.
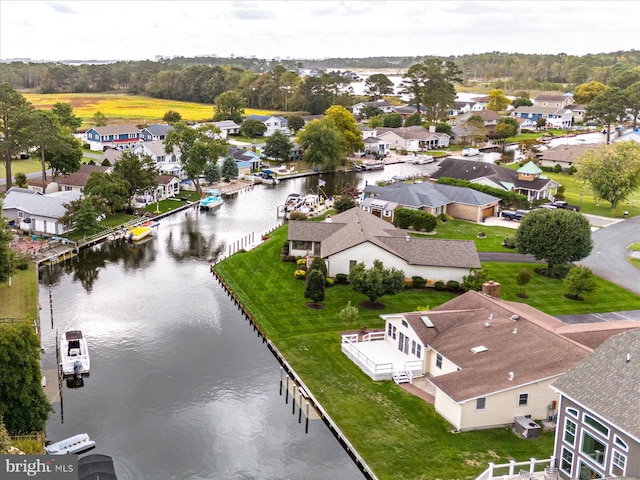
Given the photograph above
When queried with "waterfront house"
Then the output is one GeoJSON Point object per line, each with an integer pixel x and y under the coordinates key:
{"type": "Point", "coordinates": [483, 361]}
{"type": "Point", "coordinates": [528, 180]}
{"type": "Point", "coordinates": [115, 136]}
{"type": "Point", "coordinates": [564, 155]}
{"type": "Point", "coordinates": [413, 139]}
{"type": "Point", "coordinates": [459, 202]}
{"type": "Point", "coordinates": [78, 179]}
{"type": "Point", "coordinates": [355, 236]}
{"type": "Point", "coordinates": [554, 117]}
{"type": "Point", "coordinates": [383, 105]}
{"type": "Point", "coordinates": [273, 124]}
{"type": "Point", "coordinates": [598, 434]}
{"type": "Point", "coordinates": [166, 163]}
{"type": "Point", "coordinates": [38, 213]}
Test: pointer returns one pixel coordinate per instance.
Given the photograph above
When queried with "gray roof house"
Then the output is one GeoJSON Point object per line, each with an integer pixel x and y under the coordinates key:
{"type": "Point", "coordinates": [459, 202]}
{"type": "Point", "coordinates": [598, 429]}
{"type": "Point", "coordinates": [155, 131]}
{"type": "Point", "coordinates": [36, 212]}
{"type": "Point", "coordinates": [564, 155]}
{"type": "Point", "coordinates": [356, 236]}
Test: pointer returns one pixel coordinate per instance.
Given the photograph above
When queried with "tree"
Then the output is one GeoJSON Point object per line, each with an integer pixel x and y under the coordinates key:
{"type": "Point", "coordinates": [20, 179]}
{"type": "Point", "coordinates": [349, 314]}
{"type": "Point", "coordinates": [444, 127]}
{"type": "Point", "coordinates": [229, 106]}
{"type": "Point", "coordinates": [522, 100]}
{"type": "Point", "coordinates": [342, 204]}
{"type": "Point", "coordinates": [376, 281]}
{"type": "Point", "coordinates": [369, 111]}
{"type": "Point", "coordinates": [100, 119]}
{"type": "Point", "coordinates": [378, 85]}
{"type": "Point", "coordinates": [294, 122]}
{"type": "Point", "coordinates": [23, 404]}
{"type": "Point", "coordinates": [7, 255]}
{"type": "Point", "coordinates": [580, 280]}
{"type": "Point", "coordinates": [314, 289]}
{"type": "Point", "coordinates": [229, 168]}
{"type": "Point", "coordinates": [252, 128]}
{"type": "Point", "coordinates": [172, 117]}
{"type": "Point", "coordinates": [632, 96]}
{"type": "Point", "coordinates": [586, 92]}
{"type": "Point", "coordinates": [86, 219]}
{"type": "Point", "coordinates": [212, 172]}
{"type": "Point", "coordinates": [63, 112]}
{"type": "Point", "coordinates": [15, 119]}
{"type": "Point", "coordinates": [607, 108]}
{"type": "Point", "coordinates": [113, 190]}
{"type": "Point", "coordinates": [557, 236]}
{"type": "Point", "coordinates": [198, 146]}
{"type": "Point", "coordinates": [44, 133]}
{"type": "Point", "coordinates": [475, 279]}
{"type": "Point", "coordinates": [507, 127]}
{"type": "Point", "coordinates": [345, 124]}
{"type": "Point", "coordinates": [64, 156]}
{"type": "Point", "coordinates": [392, 120]}
{"type": "Point", "coordinates": [321, 144]}
{"type": "Point", "coordinates": [413, 120]}
{"type": "Point", "coordinates": [278, 146]}
{"type": "Point", "coordinates": [613, 171]}
{"type": "Point", "coordinates": [522, 278]}
{"type": "Point", "coordinates": [139, 173]}
{"type": "Point", "coordinates": [498, 101]}
{"type": "Point", "coordinates": [318, 263]}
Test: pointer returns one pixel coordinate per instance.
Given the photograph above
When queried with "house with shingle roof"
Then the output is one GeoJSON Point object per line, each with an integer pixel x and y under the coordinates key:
{"type": "Point", "coordinates": [166, 163]}
{"type": "Point", "coordinates": [156, 132]}
{"type": "Point", "coordinates": [489, 118]}
{"type": "Point", "coordinates": [42, 212]}
{"type": "Point", "coordinates": [78, 179]}
{"type": "Point", "coordinates": [273, 123]}
{"type": "Point", "coordinates": [598, 432]}
{"type": "Point", "coordinates": [486, 360]}
{"type": "Point", "coordinates": [554, 117]}
{"type": "Point", "coordinates": [355, 236]}
{"type": "Point", "coordinates": [553, 100]}
{"type": "Point", "coordinates": [413, 139]}
{"type": "Point", "coordinates": [527, 180]}
{"type": "Point", "coordinates": [564, 155]}
{"type": "Point", "coordinates": [114, 136]}
{"type": "Point", "coordinates": [383, 105]}
{"type": "Point", "coordinates": [459, 202]}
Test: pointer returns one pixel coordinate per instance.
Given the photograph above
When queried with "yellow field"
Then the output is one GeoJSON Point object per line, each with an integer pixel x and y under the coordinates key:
{"type": "Point", "coordinates": [129, 109]}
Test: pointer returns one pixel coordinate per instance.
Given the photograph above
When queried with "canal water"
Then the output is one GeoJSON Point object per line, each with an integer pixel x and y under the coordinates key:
{"type": "Point", "coordinates": [181, 387]}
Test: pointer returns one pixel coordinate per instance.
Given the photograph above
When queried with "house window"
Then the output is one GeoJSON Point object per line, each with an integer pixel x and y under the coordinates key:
{"type": "Point", "coordinates": [523, 398]}
{"type": "Point", "coordinates": [594, 448]}
{"type": "Point", "coordinates": [20, 214]}
{"type": "Point", "coordinates": [404, 323]}
{"type": "Point", "coordinates": [573, 412]}
{"type": "Point", "coordinates": [569, 432]}
{"type": "Point", "coordinates": [481, 403]}
{"type": "Point", "coordinates": [619, 443]}
{"type": "Point", "coordinates": [413, 347]}
{"type": "Point", "coordinates": [439, 360]}
{"type": "Point", "coordinates": [566, 461]}
{"type": "Point", "coordinates": [390, 330]}
{"type": "Point", "coordinates": [393, 334]}
{"type": "Point", "coordinates": [588, 473]}
{"type": "Point", "coordinates": [386, 213]}
{"type": "Point", "coordinates": [418, 350]}
{"type": "Point", "coordinates": [589, 420]}
{"type": "Point", "coordinates": [618, 464]}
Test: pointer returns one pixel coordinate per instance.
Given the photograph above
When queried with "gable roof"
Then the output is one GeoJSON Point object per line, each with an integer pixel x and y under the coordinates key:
{"type": "Point", "coordinates": [607, 370]}
{"type": "Point", "coordinates": [264, 118]}
{"type": "Point", "coordinates": [79, 178]}
{"type": "Point", "coordinates": [426, 194]}
{"type": "Point", "coordinates": [50, 206]}
{"type": "Point", "coordinates": [545, 97]}
{"type": "Point", "coordinates": [158, 129]}
{"type": "Point", "coordinates": [500, 176]}
{"type": "Point", "coordinates": [528, 347]}
{"type": "Point", "coordinates": [116, 129]}
{"type": "Point", "coordinates": [567, 153]}
{"type": "Point", "coordinates": [355, 226]}
{"type": "Point", "coordinates": [415, 132]}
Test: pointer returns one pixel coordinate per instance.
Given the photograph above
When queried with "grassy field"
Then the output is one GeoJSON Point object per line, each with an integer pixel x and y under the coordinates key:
{"type": "Point", "coordinates": [461, 230]}
{"type": "Point", "coordinates": [126, 109]}
{"type": "Point", "coordinates": [390, 429]}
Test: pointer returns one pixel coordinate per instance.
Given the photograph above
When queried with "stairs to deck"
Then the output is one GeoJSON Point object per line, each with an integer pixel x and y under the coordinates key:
{"type": "Point", "coordinates": [400, 377]}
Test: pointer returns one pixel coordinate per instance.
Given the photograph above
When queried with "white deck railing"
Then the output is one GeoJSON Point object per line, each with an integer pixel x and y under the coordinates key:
{"type": "Point", "coordinates": [505, 471]}
{"type": "Point", "coordinates": [377, 371]}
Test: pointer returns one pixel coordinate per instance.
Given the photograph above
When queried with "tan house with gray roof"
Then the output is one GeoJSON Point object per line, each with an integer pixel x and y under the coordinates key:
{"type": "Point", "coordinates": [356, 236]}
{"type": "Point", "coordinates": [564, 155]}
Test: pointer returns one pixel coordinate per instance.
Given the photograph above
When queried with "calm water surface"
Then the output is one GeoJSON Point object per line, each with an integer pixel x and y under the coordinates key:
{"type": "Point", "coordinates": [181, 387]}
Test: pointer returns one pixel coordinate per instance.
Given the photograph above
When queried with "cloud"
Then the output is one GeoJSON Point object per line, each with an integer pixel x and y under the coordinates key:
{"type": "Point", "coordinates": [60, 7]}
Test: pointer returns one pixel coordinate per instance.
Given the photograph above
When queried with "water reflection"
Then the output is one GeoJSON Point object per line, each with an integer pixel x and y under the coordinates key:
{"type": "Point", "coordinates": [191, 242]}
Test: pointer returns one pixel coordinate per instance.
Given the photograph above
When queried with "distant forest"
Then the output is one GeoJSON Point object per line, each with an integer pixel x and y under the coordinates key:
{"type": "Point", "coordinates": [276, 84]}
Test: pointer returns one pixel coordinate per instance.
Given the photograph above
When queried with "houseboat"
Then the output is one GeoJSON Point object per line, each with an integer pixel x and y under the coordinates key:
{"type": "Point", "coordinates": [212, 200]}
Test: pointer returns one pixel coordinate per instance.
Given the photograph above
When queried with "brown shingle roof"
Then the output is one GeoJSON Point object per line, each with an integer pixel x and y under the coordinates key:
{"type": "Point", "coordinates": [79, 178]}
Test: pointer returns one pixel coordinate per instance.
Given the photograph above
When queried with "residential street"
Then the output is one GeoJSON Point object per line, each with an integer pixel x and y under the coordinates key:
{"type": "Point", "coordinates": [609, 256]}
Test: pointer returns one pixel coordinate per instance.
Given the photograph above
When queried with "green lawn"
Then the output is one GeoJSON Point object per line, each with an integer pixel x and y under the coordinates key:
{"type": "Point", "coordinates": [397, 434]}
{"type": "Point", "coordinates": [21, 298]}
{"type": "Point", "coordinates": [462, 230]}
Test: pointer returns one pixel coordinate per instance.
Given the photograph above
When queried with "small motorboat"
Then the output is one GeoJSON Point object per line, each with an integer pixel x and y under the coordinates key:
{"type": "Point", "coordinates": [74, 354]}
{"type": "Point", "coordinates": [212, 199]}
{"type": "Point", "coordinates": [151, 223]}
{"type": "Point", "coordinates": [138, 233]}
{"type": "Point", "coordinates": [73, 445]}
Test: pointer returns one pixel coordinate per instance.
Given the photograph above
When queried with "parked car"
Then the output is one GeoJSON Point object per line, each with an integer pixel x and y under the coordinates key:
{"type": "Point", "coordinates": [513, 215]}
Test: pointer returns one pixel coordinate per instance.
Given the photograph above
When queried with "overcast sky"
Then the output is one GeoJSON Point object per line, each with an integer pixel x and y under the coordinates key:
{"type": "Point", "coordinates": [138, 30]}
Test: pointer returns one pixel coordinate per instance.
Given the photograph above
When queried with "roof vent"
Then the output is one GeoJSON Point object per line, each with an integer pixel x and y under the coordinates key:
{"type": "Point", "coordinates": [515, 317]}
{"type": "Point", "coordinates": [487, 324]}
{"type": "Point", "coordinates": [628, 357]}
{"type": "Point", "coordinates": [479, 349]}
{"type": "Point", "coordinates": [515, 330]}
{"type": "Point", "coordinates": [511, 376]}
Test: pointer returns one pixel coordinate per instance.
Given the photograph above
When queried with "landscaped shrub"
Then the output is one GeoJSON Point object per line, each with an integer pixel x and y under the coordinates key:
{"type": "Point", "coordinates": [318, 263]}
{"type": "Point", "coordinates": [341, 277]}
{"type": "Point", "coordinates": [299, 274]}
{"type": "Point", "coordinates": [419, 220]}
{"type": "Point", "coordinates": [22, 263]}
{"type": "Point", "coordinates": [557, 168]}
{"type": "Point", "coordinates": [301, 263]}
{"type": "Point", "coordinates": [328, 281]}
{"type": "Point", "coordinates": [571, 170]}
{"type": "Point", "coordinates": [298, 216]}
{"type": "Point", "coordinates": [509, 242]}
{"type": "Point", "coordinates": [419, 282]}
{"type": "Point", "coordinates": [453, 285]}
{"type": "Point", "coordinates": [439, 285]}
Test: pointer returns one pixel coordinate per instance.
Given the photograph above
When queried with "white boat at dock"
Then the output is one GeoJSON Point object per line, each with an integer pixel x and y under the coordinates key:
{"type": "Point", "coordinates": [74, 354]}
{"type": "Point", "coordinates": [73, 445]}
{"type": "Point", "coordinates": [212, 199]}
{"type": "Point", "coordinates": [138, 233]}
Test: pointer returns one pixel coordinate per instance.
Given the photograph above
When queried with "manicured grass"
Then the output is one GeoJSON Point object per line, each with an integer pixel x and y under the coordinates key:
{"type": "Point", "coordinates": [123, 108]}
{"type": "Point", "coordinates": [547, 294]}
{"type": "Point", "coordinates": [635, 247]}
{"type": "Point", "coordinates": [461, 230]}
{"type": "Point", "coordinates": [635, 262]}
{"type": "Point", "coordinates": [21, 298]}
{"type": "Point", "coordinates": [397, 434]}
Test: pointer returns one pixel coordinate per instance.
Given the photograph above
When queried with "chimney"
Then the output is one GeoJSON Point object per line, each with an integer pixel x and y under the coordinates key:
{"type": "Point", "coordinates": [491, 288]}
{"type": "Point", "coordinates": [432, 129]}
